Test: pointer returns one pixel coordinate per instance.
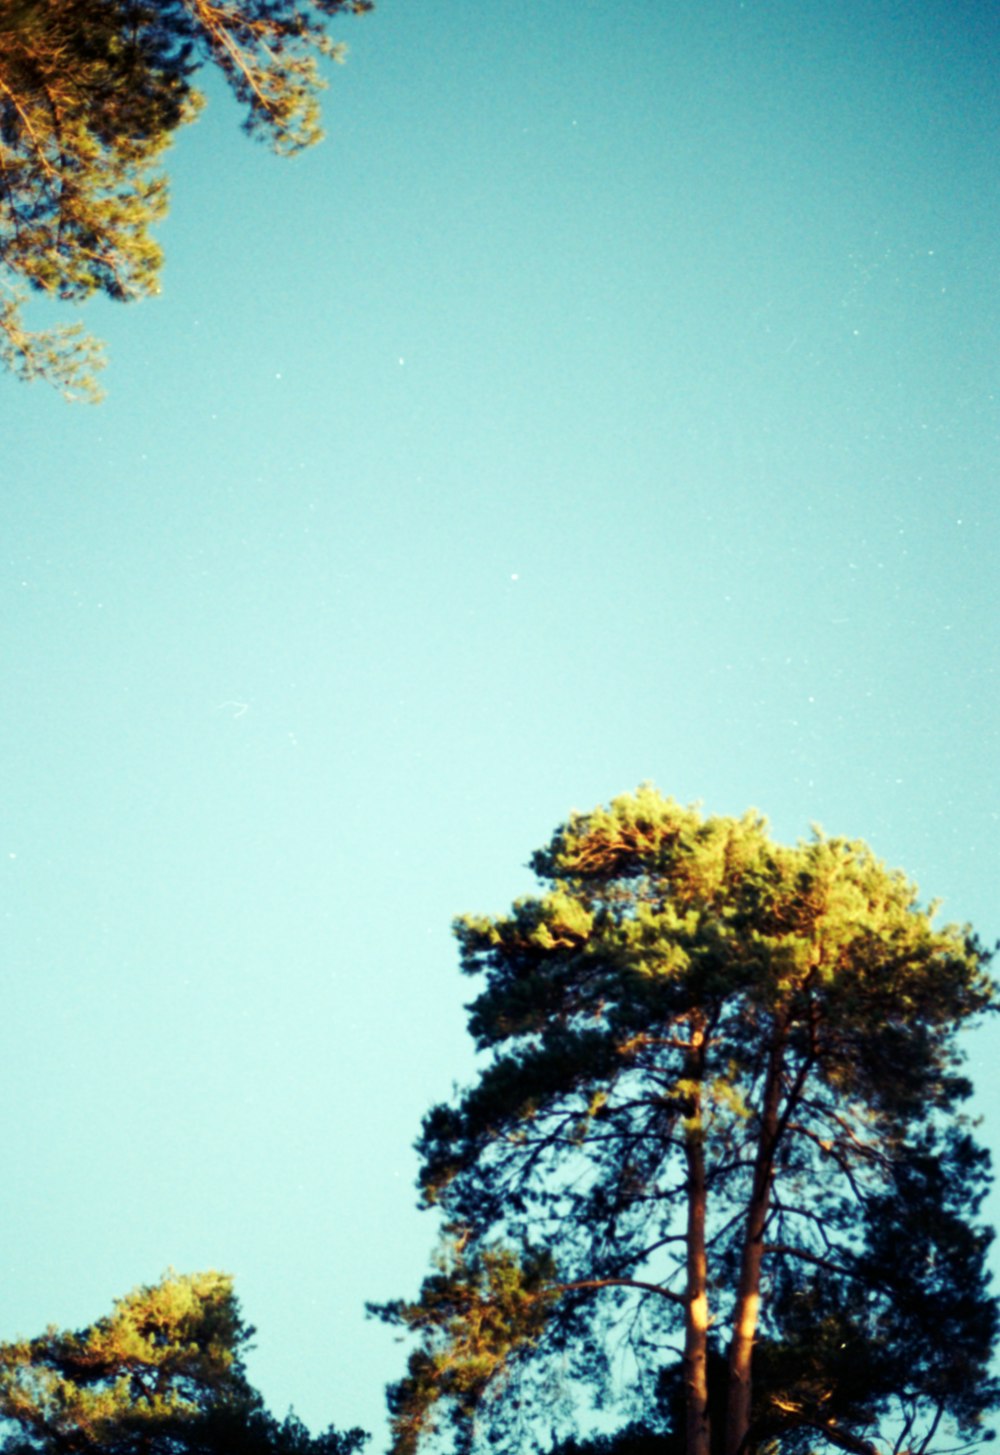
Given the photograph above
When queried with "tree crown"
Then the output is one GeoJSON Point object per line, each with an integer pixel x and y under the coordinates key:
{"type": "Point", "coordinates": [162, 1374]}
{"type": "Point", "coordinates": [706, 1045]}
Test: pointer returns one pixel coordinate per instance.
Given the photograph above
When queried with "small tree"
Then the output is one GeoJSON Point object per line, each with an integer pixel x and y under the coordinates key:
{"type": "Point", "coordinates": [90, 97]}
{"type": "Point", "coordinates": [163, 1374]}
{"type": "Point", "coordinates": [721, 1108]}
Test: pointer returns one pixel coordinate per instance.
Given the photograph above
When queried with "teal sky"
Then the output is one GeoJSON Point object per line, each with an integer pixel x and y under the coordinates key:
{"type": "Point", "coordinates": [613, 396]}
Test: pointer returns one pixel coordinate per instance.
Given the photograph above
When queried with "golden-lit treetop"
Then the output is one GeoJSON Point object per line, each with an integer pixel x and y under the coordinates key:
{"type": "Point", "coordinates": [718, 1108]}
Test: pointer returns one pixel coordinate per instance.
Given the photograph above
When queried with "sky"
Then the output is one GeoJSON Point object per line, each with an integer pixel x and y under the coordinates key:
{"type": "Point", "coordinates": [611, 397]}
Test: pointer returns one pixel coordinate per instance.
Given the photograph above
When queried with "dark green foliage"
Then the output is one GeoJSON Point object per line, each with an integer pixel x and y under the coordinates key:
{"type": "Point", "coordinates": [722, 1091]}
{"type": "Point", "coordinates": [91, 94]}
{"type": "Point", "coordinates": [250, 1430]}
{"type": "Point", "coordinates": [635, 1439]}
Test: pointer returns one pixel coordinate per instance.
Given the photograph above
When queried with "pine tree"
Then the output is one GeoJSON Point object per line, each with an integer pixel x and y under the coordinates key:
{"type": "Point", "coordinates": [163, 1374]}
{"type": "Point", "coordinates": [721, 1106]}
{"type": "Point", "coordinates": [91, 95]}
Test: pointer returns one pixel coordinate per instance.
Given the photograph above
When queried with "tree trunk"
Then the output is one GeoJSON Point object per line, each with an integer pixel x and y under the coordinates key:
{"type": "Point", "coordinates": [697, 1425]}
{"type": "Point", "coordinates": [747, 1307]}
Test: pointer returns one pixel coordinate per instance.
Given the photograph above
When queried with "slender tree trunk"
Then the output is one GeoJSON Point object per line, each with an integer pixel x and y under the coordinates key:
{"type": "Point", "coordinates": [697, 1426]}
{"type": "Point", "coordinates": [747, 1307]}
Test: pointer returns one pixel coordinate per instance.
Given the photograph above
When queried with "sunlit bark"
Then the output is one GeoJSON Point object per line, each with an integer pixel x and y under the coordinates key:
{"type": "Point", "coordinates": [698, 1429]}
{"type": "Point", "coordinates": [747, 1310]}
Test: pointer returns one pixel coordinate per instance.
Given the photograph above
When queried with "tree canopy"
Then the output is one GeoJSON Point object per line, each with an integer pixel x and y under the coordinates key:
{"type": "Point", "coordinates": [715, 1154]}
{"type": "Point", "coordinates": [163, 1374]}
{"type": "Point", "coordinates": [91, 94]}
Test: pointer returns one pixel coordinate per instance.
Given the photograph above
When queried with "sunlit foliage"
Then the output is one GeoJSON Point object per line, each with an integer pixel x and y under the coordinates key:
{"type": "Point", "coordinates": [722, 1091]}
{"type": "Point", "coordinates": [163, 1374]}
{"type": "Point", "coordinates": [91, 94]}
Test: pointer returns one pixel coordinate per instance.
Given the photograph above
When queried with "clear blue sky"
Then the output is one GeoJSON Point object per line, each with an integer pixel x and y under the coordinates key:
{"type": "Point", "coordinates": [613, 396]}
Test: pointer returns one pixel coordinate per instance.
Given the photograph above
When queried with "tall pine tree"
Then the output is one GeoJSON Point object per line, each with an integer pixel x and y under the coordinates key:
{"type": "Point", "coordinates": [720, 1114]}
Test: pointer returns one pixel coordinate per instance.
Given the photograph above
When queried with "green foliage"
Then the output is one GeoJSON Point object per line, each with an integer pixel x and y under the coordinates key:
{"type": "Point", "coordinates": [163, 1374]}
{"type": "Point", "coordinates": [703, 1045]}
{"type": "Point", "coordinates": [91, 94]}
{"type": "Point", "coordinates": [476, 1313]}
